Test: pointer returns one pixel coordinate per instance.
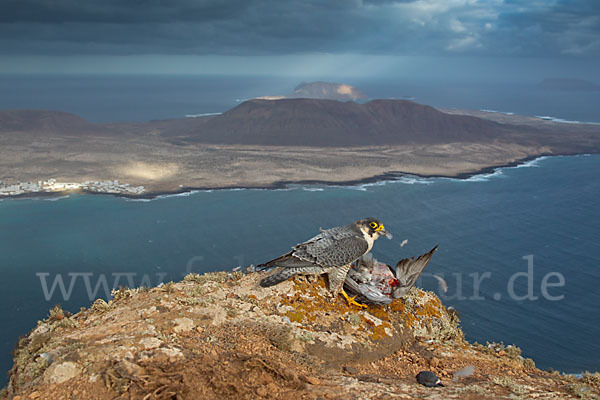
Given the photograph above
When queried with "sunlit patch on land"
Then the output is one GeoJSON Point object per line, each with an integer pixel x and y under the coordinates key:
{"type": "Point", "coordinates": [149, 171]}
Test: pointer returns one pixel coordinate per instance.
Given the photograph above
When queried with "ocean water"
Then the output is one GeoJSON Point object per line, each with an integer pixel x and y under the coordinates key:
{"type": "Point", "coordinates": [546, 211]}
{"type": "Point", "coordinates": [106, 98]}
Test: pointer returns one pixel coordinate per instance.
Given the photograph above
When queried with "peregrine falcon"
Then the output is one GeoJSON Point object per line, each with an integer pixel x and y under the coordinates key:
{"type": "Point", "coordinates": [331, 252]}
{"type": "Point", "coordinates": [377, 283]}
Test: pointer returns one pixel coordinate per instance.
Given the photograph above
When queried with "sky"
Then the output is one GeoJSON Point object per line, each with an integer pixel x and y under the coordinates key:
{"type": "Point", "coordinates": [460, 38]}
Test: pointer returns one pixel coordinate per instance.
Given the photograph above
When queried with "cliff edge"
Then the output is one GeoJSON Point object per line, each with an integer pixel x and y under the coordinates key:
{"type": "Point", "coordinates": [220, 335]}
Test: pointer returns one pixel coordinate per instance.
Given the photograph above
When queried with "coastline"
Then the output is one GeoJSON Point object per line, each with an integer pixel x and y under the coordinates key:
{"type": "Point", "coordinates": [390, 176]}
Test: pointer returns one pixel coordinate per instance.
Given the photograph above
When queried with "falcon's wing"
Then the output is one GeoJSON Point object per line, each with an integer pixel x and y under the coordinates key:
{"type": "Point", "coordinates": [332, 247]}
{"type": "Point", "coordinates": [331, 251]}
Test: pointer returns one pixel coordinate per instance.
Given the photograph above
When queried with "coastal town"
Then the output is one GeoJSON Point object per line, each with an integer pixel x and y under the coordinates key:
{"type": "Point", "coordinates": [52, 186]}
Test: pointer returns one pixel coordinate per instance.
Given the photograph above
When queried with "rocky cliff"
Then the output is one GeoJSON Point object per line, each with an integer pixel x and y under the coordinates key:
{"type": "Point", "coordinates": [220, 335]}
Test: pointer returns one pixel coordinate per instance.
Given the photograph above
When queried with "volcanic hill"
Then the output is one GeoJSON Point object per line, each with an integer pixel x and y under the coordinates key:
{"type": "Point", "coordinates": [326, 123]}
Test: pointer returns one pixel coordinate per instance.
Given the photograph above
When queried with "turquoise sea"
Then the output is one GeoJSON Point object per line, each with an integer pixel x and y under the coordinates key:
{"type": "Point", "coordinates": [546, 210]}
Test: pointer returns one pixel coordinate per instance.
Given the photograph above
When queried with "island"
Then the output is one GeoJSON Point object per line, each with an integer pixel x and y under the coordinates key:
{"type": "Point", "coordinates": [568, 84]}
{"type": "Point", "coordinates": [270, 144]}
{"type": "Point", "coordinates": [321, 90]}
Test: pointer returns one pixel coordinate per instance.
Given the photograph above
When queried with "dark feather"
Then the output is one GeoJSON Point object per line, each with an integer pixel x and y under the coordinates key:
{"type": "Point", "coordinates": [408, 271]}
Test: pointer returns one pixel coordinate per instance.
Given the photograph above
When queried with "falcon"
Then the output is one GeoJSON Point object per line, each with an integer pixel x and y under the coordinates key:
{"type": "Point", "coordinates": [331, 252]}
{"type": "Point", "coordinates": [374, 282]}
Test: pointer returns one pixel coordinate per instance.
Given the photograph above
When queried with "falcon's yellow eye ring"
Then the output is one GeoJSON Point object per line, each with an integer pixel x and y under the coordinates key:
{"type": "Point", "coordinates": [373, 225]}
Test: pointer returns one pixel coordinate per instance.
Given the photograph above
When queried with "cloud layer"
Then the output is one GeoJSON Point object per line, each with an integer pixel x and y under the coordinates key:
{"type": "Point", "coordinates": [544, 28]}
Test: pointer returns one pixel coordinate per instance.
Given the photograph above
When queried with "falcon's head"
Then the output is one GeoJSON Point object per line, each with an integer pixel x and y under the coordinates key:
{"type": "Point", "coordinates": [373, 227]}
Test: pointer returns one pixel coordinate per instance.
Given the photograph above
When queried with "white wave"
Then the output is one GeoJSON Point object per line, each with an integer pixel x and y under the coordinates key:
{"type": "Point", "coordinates": [486, 177]}
{"type": "Point", "coordinates": [201, 115]}
{"type": "Point", "coordinates": [407, 180]}
{"type": "Point", "coordinates": [384, 182]}
{"type": "Point", "coordinates": [361, 188]}
{"type": "Point", "coordinates": [285, 189]}
{"type": "Point", "coordinates": [372, 184]}
{"type": "Point", "coordinates": [57, 198]}
{"type": "Point", "coordinates": [479, 177]}
{"type": "Point", "coordinates": [313, 189]}
{"type": "Point", "coordinates": [564, 121]}
{"type": "Point", "coordinates": [530, 163]}
{"type": "Point", "coordinates": [182, 194]}
{"type": "Point", "coordinates": [498, 112]}
{"type": "Point", "coordinates": [498, 172]}
{"type": "Point", "coordinates": [166, 196]}
{"type": "Point", "coordinates": [412, 180]}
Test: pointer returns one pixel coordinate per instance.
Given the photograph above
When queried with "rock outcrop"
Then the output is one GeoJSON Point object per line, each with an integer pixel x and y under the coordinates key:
{"type": "Point", "coordinates": [327, 90]}
{"type": "Point", "coordinates": [220, 335]}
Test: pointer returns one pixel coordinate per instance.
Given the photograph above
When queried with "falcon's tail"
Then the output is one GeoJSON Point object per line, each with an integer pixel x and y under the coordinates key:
{"type": "Point", "coordinates": [275, 263]}
{"type": "Point", "coordinates": [279, 276]}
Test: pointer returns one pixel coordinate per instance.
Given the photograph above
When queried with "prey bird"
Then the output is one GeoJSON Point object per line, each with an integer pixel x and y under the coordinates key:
{"type": "Point", "coordinates": [374, 282]}
{"type": "Point", "coordinates": [331, 252]}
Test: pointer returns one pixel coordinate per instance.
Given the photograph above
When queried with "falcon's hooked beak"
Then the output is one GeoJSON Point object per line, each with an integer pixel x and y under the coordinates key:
{"type": "Point", "coordinates": [382, 232]}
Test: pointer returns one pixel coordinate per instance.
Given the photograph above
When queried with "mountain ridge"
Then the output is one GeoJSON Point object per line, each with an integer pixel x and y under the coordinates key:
{"type": "Point", "coordinates": [48, 122]}
{"type": "Point", "coordinates": [322, 122]}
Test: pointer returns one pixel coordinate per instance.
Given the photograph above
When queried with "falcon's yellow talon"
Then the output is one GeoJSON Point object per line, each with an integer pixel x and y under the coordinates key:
{"type": "Point", "coordinates": [351, 300]}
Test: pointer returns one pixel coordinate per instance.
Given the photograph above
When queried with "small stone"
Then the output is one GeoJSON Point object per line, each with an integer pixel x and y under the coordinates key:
{"type": "Point", "coordinates": [58, 373]}
{"type": "Point", "coordinates": [183, 325]}
{"type": "Point", "coordinates": [262, 391]}
{"type": "Point", "coordinates": [272, 388]}
{"type": "Point", "coordinates": [428, 379]}
{"type": "Point", "coordinates": [130, 368]}
{"type": "Point", "coordinates": [150, 343]}
{"type": "Point", "coordinates": [172, 353]}
{"type": "Point", "coordinates": [313, 380]}
{"type": "Point", "coordinates": [350, 370]}
{"type": "Point", "coordinates": [501, 353]}
{"type": "Point", "coordinates": [34, 395]}
{"type": "Point", "coordinates": [264, 379]}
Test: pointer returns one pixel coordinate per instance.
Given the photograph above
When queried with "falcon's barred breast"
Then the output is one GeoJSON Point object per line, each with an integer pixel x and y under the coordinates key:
{"type": "Point", "coordinates": [330, 252]}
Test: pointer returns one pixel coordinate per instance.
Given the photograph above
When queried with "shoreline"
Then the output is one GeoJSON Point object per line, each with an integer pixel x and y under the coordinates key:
{"type": "Point", "coordinates": [285, 184]}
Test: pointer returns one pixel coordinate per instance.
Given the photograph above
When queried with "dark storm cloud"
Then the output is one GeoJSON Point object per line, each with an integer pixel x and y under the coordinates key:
{"type": "Point", "coordinates": [495, 27]}
{"type": "Point", "coordinates": [116, 11]}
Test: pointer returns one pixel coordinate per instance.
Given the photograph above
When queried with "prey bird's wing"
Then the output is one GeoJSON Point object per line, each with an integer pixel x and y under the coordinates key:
{"type": "Point", "coordinates": [365, 293]}
{"type": "Point", "coordinates": [408, 270]}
